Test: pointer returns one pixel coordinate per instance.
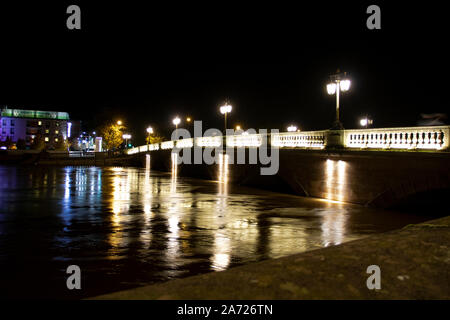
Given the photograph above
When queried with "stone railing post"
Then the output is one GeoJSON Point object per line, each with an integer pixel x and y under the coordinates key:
{"type": "Point", "coordinates": [334, 139]}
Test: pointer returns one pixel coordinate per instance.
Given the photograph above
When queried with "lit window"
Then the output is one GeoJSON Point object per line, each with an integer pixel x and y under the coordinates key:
{"type": "Point", "coordinates": [56, 131]}
{"type": "Point", "coordinates": [46, 131]}
{"type": "Point", "coordinates": [46, 139]}
{"type": "Point", "coordinates": [39, 123]}
{"type": "Point", "coordinates": [56, 139]}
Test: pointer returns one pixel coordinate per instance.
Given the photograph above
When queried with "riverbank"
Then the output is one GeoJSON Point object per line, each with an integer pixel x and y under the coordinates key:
{"type": "Point", "coordinates": [414, 263]}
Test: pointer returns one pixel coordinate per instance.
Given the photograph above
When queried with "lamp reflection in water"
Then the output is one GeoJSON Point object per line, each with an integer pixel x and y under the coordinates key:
{"type": "Point", "coordinates": [120, 205]}
{"type": "Point", "coordinates": [174, 173]}
{"type": "Point", "coordinates": [146, 232]}
{"type": "Point", "coordinates": [173, 219]}
{"type": "Point", "coordinates": [334, 222]}
{"type": "Point", "coordinates": [336, 180]}
{"type": "Point", "coordinates": [222, 243]}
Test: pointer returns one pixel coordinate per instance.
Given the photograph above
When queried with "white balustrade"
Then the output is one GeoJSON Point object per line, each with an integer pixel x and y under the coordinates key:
{"type": "Point", "coordinates": [143, 148]}
{"type": "Point", "coordinates": [209, 141]}
{"type": "Point", "coordinates": [185, 143]}
{"type": "Point", "coordinates": [302, 139]}
{"type": "Point", "coordinates": [434, 138]}
{"type": "Point", "coordinates": [167, 145]}
{"type": "Point", "coordinates": [133, 150]}
{"type": "Point", "coordinates": [245, 140]}
{"type": "Point", "coordinates": [412, 138]}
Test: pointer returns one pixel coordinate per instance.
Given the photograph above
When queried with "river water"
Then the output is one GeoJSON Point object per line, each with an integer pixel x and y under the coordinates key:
{"type": "Point", "coordinates": [126, 227]}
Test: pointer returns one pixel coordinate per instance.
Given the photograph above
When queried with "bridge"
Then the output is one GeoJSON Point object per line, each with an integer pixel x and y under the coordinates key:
{"type": "Point", "coordinates": [381, 167]}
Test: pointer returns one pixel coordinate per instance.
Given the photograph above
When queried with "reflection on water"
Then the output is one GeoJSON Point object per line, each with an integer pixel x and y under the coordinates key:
{"type": "Point", "coordinates": [127, 227]}
{"type": "Point", "coordinates": [335, 180]}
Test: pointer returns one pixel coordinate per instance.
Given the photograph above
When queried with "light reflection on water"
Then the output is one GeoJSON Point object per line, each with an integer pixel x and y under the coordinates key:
{"type": "Point", "coordinates": [127, 226]}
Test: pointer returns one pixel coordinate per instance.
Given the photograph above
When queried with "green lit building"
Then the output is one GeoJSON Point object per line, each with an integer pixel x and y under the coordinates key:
{"type": "Point", "coordinates": [51, 126]}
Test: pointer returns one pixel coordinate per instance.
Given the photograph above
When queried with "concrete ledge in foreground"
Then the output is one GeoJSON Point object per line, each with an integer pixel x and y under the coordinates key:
{"type": "Point", "coordinates": [414, 263]}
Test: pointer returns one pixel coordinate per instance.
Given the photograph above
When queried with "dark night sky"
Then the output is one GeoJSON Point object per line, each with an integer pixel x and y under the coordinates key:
{"type": "Point", "coordinates": [272, 61]}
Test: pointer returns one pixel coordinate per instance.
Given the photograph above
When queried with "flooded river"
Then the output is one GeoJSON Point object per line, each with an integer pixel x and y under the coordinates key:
{"type": "Point", "coordinates": [127, 227]}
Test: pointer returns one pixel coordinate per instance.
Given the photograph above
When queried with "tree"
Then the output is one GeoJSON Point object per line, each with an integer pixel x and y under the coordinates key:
{"type": "Point", "coordinates": [62, 145]}
{"type": "Point", "coordinates": [154, 139]}
{"type": "Point", "coordinates": [111, 134]}
{"type": "Point", "coordinates": [38, 142]}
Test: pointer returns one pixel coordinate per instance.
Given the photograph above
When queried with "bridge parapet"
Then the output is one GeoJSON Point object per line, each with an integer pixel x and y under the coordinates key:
{"type": "Point", "coordinates": [409, 138]}
{"type": "Point", "coordinates": [302, 139]}
{"type": "Point", "coordinates": [431, 138]}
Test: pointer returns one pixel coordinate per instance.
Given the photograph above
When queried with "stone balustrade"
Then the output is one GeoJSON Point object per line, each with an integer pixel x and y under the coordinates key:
{"type": "Point", "coordinates": [410, 138]}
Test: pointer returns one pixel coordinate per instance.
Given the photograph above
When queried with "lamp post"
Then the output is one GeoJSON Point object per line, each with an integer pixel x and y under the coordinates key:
{"type": "Point", "coordinates": [119, 122]}
{"type": "Point", "coordinates": [176, 122]}
{"type": "Point", "coordinates": [225, 109]}
{"type": "Point", "coordinates": [126, 137]}
{"type": "Point", "coordinates": [339, 82]}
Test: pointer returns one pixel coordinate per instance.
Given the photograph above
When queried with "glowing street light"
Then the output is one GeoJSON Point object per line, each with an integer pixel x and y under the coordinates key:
{"type": "Point", "coordinates": [188, 119]}
{"type": "Point", "coordinates": [292, 128]}
{"type": "Point", "coordinates": [225, 109]}
{"type": "Point", "coordinates": [119, 122]}
{"type": "Point", "coordinates": [176, 122]}
{"type": "Point", "coordinates": [365, 122]}
{"type": "Point", "coordinates": [126, 137]}
{"type": "Point", "coordinates": [238, 127]}
{"type": "Point", "coordinates": [338, 83]}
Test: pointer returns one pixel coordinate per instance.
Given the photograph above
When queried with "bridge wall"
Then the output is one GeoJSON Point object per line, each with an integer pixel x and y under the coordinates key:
{"type": "Point", "coordinates": [364, 177]}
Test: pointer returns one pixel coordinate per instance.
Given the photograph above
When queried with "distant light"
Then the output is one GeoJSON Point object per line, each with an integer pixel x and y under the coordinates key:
{"type": "Point", "coordinates": [126, 136]}
{"type": "Point", "coordinates": [176, 121]}
{"type": "Point", "coordinates": [188, 119]}
{"type": "Point", "coordinates": [292, 128]}
{"type": "Point", "coordinates": [69, 129]}
{"type": "Point", "coordinates": [150, 130]}
{"type": "Point", "coordinates": [119, 122]}
{"type": "Point", "coordinates": [3, 148]}
{"type": "Point", "coordinates": [225, 109]}
{"type": "Point", "coordinates": [363, 122]}
{"type": "Point", "coordinates": [238, 127]}
{"type": "Point", "coordinates": [331, 88]}
{"type": "Point", "coordinates": [345, 85]}
{"type": "Point", "coordinates": [94, 133]}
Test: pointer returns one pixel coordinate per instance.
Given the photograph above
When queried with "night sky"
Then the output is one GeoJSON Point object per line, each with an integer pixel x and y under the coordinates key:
{"type": "Point", "coordinates": [146, 64]}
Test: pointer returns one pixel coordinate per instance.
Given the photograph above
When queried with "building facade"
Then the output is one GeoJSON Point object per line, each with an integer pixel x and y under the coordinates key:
{"type": "Point", "coordinates": [28, 125]}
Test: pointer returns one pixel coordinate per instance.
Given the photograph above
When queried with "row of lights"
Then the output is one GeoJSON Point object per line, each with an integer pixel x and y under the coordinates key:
{"type": "Point", "coordinates": [339, 83]}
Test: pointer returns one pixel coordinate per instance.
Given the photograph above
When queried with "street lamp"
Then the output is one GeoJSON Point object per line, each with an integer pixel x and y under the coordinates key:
{"type": "Point", "coordinates": [339, 82]}
{"type": "Point", "coordinates": [176, 122]}
{"type": "Point", "coordinates": [119, 122]}
{"type": "Point", "coordinates": [292, 128]}
{"type": "Point", "coordinates": [365, 122]}
{"type": "Point", "coordinates": [188, 119]}
{"type": "Point", "coordinates": [126, 137]}
{"type": "Point", "coordinates": [225, 109]}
